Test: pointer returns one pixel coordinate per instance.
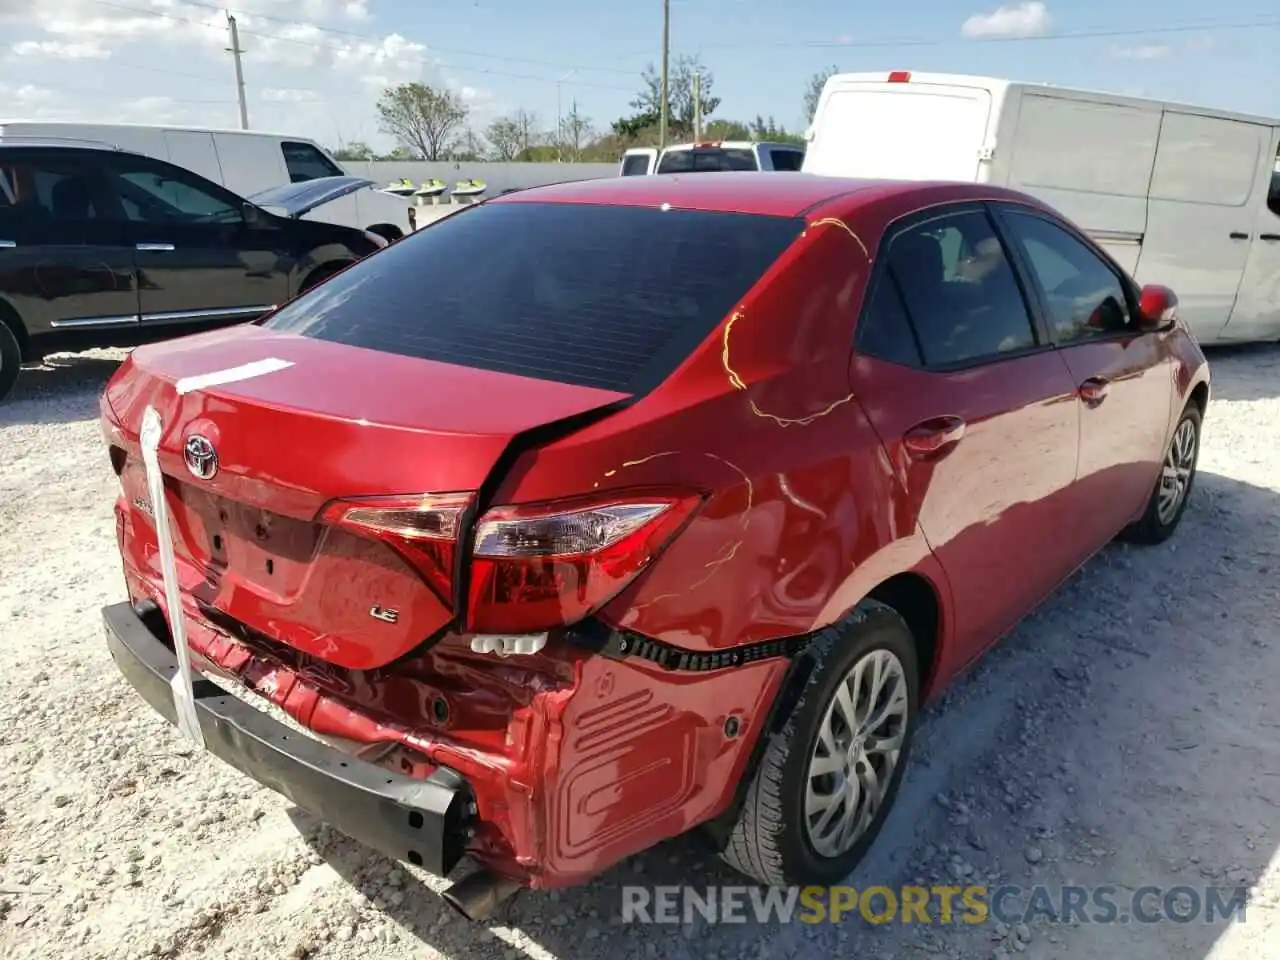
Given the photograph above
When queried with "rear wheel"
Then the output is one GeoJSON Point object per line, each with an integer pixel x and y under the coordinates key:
{"type": "Point", "coordinates": [319, 275]}
{"type": "Point", "coordinates": [826, 781]}
{"type": "Point", "coordinates": [10, 360]}
{"type": "Point", "coordinates": [1173, 488]}
{"type": "Point", "coordinates": [388, 231]}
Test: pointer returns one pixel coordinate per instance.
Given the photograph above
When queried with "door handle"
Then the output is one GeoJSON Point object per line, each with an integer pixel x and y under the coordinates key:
{"type": "Point", "coordinates": [154, 247]}
{"type": "Point", "coordinates": [8, 244]}
{"type": "Point", "coordinates": [1237, 235]}
{"type": "Point", "coordinates": [1269, 236]}
{"type": "Point", "coordinates": [933, 438]}
{"type": "Point", "coordinates": [1094, 390]}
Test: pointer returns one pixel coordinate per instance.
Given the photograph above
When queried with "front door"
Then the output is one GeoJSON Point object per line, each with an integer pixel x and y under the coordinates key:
{"type": "Point", "coordinates": [67, 263]}
{"type": "Point", "coordinates": [977, 414]}
{"type": "Point", "coordinates": [1257, 311]}
{"type": "Point", "coordinates": [198, 260]}
{"type": "Point", "coordinates": [1123, 378]}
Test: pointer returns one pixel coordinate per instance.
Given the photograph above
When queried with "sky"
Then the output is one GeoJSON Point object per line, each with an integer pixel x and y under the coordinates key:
{"type": "Point", "coordinates": [315, 67]}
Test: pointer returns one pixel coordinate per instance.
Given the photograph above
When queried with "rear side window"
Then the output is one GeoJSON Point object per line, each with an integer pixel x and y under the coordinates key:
{"type": "Point", "coordinates": [707, 161]}
{"type": "Point", "coordinates": [786, 159]}
{"type": "Point", "coordinates": [305, 162]}
{"type": "Point", "coordinates": [959, 290]}
{"type": "Point", "coordinates": [35, 188]}
{"type": "Point", "coordinates": [602, 296]}
{"type": "Point", "coordinates": [635, 165]}
{"type": "Point", "coordinates": [884, 330]}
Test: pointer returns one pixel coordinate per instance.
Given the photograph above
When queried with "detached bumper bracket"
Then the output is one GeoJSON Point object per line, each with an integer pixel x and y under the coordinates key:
{"type": "Point", "coordinates": [423, 822]}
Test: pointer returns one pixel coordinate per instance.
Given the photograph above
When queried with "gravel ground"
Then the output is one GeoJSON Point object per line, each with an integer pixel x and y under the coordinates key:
{"type": "Point", "coordinates": [1124, 735]}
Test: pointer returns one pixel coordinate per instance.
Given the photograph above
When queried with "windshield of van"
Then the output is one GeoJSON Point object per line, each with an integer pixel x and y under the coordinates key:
{"type": "Point", "coordinates": [614, 297]}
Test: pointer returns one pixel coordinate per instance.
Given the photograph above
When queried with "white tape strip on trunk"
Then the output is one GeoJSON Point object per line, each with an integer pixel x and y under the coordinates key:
{"type": "Point", "coordinates": [184, 699]}
{"type": "Point", "coordinates": [246, 371]}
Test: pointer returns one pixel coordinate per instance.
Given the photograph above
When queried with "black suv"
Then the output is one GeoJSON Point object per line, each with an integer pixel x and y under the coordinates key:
{"type": "Point", "coordinates": [101, 247]}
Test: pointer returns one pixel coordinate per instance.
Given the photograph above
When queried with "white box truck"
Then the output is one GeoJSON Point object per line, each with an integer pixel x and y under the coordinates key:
{"type": "Point", "coordinates": [1180, 195]}
{"type": "Point", "coordinates": [244, 161]}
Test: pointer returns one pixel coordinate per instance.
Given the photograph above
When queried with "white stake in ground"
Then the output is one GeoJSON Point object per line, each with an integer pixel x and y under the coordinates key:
{"type": "Point", "coordinates": [184, 699]}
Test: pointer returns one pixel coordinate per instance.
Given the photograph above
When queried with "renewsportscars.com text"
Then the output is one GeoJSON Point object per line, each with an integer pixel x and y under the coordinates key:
{"type": "Point", "coordinates": [941, 904]}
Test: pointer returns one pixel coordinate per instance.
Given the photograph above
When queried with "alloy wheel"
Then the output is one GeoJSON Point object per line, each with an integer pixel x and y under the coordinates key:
{"type": "Point", "coordinates": [1175, 475]}
{"type": "Point", "coordinates": [857, 750]}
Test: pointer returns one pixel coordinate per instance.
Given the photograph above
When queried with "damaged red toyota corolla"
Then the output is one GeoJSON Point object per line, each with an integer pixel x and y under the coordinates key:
{"type": "Point", "coordinates": [607, 510]}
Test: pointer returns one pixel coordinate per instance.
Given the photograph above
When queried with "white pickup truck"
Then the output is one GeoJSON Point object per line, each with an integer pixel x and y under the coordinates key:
{"type": "Point", "coordinates": [711, 156]}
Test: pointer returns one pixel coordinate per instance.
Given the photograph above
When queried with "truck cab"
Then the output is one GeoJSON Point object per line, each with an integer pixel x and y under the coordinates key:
{"type": "Point", "coordinates": [709, 156]}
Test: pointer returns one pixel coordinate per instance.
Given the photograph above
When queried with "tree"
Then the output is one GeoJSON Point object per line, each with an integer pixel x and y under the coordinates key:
{"type": "Point", "coordinates": [422, 118]}
{"type": "Point", "coordinates": [814, 90]}
{"type": "Point", "coordinates": [504, 138]}
{"type": "Point", "coordinates": [469, 148]}
{"type": "Point", "coordinates": [680, 101]}
{"type": "Point", "coordinates": [575, 133]}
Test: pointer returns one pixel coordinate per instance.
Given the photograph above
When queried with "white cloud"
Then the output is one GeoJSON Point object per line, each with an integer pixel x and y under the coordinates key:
{"type": "Point", "coordinates": [1027, 19]}
{"type": "Point", "coordinates": [289, 95]}
{"type": "Point", "coordinates": [1201, 44]}
{"type": "Point", "coordinates": [57, 50]}
{"type": "Point", "coordinates": [25, 96]}
{"type": "Point", "coordinates": [1143, 51]}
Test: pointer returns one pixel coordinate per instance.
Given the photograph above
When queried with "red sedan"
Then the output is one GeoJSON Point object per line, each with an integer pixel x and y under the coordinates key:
{"type": "Point", "coordinates": [603, 511]}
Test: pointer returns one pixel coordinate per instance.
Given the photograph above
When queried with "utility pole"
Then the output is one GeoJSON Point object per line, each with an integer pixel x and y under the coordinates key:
{"type": "Point", "coordinates": [235, 52]}
{"type": "Point", "coordinates": [666, 59]}
{"type": "Point", "coordinates": [697, 106]}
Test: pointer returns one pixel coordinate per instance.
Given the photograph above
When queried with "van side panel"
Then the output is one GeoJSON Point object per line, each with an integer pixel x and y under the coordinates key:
{"type": "Point", "coordinates": [1201, 218]}
{"type": "Point", "coordinates": [251, 163]}
{"type": "Point", "coordinates": [1090, 159]}
{"type": "Point", "coordinates": [1256, 315]}
{"type": "Point", "coordinates": [194, 151]}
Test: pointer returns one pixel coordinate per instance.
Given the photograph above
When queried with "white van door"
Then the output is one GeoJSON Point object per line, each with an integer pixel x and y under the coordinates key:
{"type": "Point", "coordinates": [1199, 216]}
{"type": "Point", "coordinates": [899, 130]}
{"type": "Point", "coordinates": [194, 150]}
{"type": "Point", "coordinates": [1257, 311]}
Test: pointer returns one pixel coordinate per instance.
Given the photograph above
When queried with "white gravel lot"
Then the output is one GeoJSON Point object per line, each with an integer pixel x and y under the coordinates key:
{"type": "Point", "coordinates": [1125, 735]}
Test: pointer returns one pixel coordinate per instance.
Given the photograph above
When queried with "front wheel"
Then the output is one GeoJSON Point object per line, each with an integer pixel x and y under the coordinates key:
{"type": "Point", "coordinates": [10, 360]}
{"type": "Point", "coordinates": [827, 780]}
{"type": "Point", "coordinates": [1173, 488]}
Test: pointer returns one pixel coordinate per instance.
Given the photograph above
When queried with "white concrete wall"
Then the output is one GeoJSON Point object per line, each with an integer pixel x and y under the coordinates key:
{"type": "Point", "coordinates": [498, 176]}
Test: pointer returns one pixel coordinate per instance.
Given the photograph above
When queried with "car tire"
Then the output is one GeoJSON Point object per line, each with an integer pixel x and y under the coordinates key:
{"type": "Point", "coordinates": [320, 275]}
{"type": "Point", "coordinates": [387, 231]}
{"type": "Point", "coordinates": [10, 360]}
{"type": "Point", "coordinates": [1163, 514]}
{"type": "Point", "coordinates": [778, 839]}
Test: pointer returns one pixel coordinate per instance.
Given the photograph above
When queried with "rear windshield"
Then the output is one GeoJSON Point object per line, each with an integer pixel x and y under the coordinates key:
{"type": "Point", "coordinates": [602, 296]}
{"type": "Point", "coordinates": [707, 161]}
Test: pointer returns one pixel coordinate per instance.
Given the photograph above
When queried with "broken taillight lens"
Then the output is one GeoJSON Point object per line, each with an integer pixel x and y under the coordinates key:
{"type": "Point", "coordinates": [423, 530]}
{"type": "Point", "coordinates": [534, 567]}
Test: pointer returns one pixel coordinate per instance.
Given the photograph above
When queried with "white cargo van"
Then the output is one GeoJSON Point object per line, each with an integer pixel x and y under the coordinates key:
{"type": "Point", "coordinates": [711, 155]}
{"type": "Point", "coordinates": [244, 161]}
{"type": "Point", "coordinates": [1177, 194]}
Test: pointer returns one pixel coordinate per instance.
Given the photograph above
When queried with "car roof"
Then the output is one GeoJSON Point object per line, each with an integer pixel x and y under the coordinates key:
{"type": "Point", "coordinates": [751, 192]}
{"type": "Point", "coordinates": [49, 142]}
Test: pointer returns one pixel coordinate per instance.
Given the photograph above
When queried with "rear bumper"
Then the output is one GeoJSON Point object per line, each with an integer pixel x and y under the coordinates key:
{"type": "Point", "coordinates": [421, 821]}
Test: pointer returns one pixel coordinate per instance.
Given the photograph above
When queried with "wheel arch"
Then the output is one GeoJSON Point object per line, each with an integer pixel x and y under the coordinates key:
{"type": "Point", "coordinates": [10, 318]}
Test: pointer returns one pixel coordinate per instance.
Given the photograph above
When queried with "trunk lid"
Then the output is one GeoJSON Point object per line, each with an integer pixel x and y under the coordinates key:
{"type": "Point", "coordinates": [296, 423]}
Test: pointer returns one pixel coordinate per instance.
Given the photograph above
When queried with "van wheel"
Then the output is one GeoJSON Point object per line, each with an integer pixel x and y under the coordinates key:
{"type": "Point", "coordinates": [1173, 487]}
{"type": "Point", "coordinates": [827, 780]}
{"type": "Point", "coordinates": [320, 274]}
{"type": "Point", "coordinates": [10, 360]}
{"type": "Point", "coordinates": [388, 231]}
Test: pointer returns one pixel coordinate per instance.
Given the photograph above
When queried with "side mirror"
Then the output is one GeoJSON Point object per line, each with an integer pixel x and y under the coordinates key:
{"type": "Point", "coordinates": [1157, 307]}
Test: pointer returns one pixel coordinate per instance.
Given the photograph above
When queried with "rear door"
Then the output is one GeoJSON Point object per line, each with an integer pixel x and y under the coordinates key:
{"type": "Point", "coordinates": [899, 130]}
{"type": "Point", "coordinates": [197, 259]}
{"type": "Point", "coordinates": [977, 413]}
{"type": "Point", "coordinates": [67, 262]}
{"type": "Point", "coordinates": [1256, 315]}
{"type": "Point", "coordinates": [1124, 379]}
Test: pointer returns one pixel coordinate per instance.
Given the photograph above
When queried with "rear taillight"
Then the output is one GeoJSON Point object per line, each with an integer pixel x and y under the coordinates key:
{"type": "Point", "coordinates": [535, 567]}
{"type": "Point", "coordinates": [423, 530]}
{"type": "Point", "coordinates": [532, 567]}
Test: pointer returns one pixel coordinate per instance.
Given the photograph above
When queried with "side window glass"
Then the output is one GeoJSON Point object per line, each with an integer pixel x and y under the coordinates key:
{"type": "Point", "coordinates": [158, 196]}
{"type": "Point", "coordinates": [1084, 297]}
{"type": "Point", "coordinates": [39, 189]}
{"type": "Point", "coordinates": [959, 290]}
{"type": "Point", "coordinates": [884, 330]}
{"type": "Point", "coordinates": [786, 159]}
{"type": "Point", "coordinates": [304, 162]}
{"type": "Point", "coordinates": [1273, 195]}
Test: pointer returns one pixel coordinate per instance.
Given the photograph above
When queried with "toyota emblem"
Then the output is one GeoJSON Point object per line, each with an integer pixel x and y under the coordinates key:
{"type": "Point", "coordinates": [202, 459]}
